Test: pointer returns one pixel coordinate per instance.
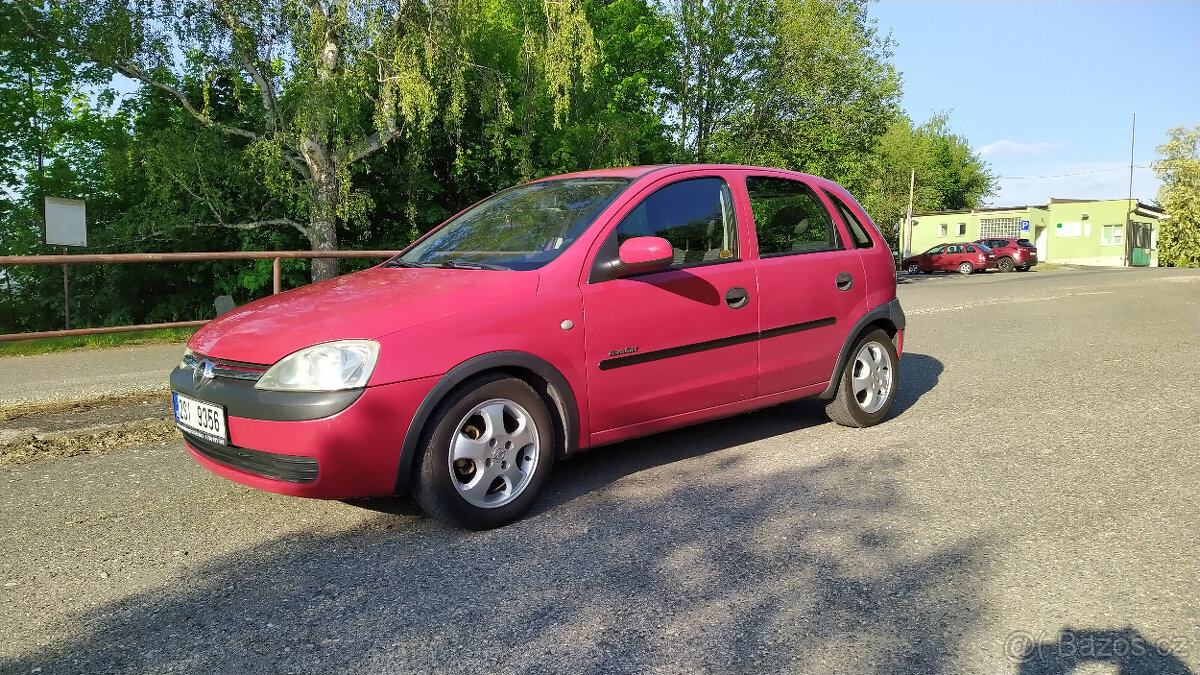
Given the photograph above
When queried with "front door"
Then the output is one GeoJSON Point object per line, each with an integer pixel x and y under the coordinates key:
{"type": "Point", "coordinates": [678, 340]}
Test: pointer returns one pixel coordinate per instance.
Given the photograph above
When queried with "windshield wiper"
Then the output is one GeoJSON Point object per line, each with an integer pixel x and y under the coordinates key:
{"type": "Point", "coordinates": [471, 265]}
{"type": "Point", "coordinates": [403, 263]}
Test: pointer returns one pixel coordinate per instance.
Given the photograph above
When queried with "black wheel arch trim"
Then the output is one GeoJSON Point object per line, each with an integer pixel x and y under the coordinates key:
{"type": "Point", "coordinates": [889, 311]}
{"type": "Point", "coordinates": [564, 413]}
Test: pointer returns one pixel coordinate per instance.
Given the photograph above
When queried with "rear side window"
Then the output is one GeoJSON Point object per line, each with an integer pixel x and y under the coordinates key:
{"type": "Point", "coordinates": [789, 218]}
{"type": "Point", "coordinates": [696, 216]}
{"type": "Point", "coordinates": [970, 249]}
{"type": "Point", "coordinates": [860, 235]}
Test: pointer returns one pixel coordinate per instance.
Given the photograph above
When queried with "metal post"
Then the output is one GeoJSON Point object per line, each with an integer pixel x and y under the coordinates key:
{"type": "Point", "coordinates": [1132, 206]}
{"type": "Point", "coordinates": [276, 277]}
{"type": "Point", "coordinates": [66, 294]}
{"type": "Point", "coordinates": [912, 183]}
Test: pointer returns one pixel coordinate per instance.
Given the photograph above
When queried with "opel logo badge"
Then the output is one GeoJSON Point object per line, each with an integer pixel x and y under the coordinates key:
{"type": "Point", "coordinates": [202, 374]}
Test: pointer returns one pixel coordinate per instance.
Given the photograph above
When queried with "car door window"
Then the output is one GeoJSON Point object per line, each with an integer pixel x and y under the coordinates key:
{"type": "Point", "coordinates": [696, 216]}
{"type": "Point", "coordinates": [935, 250]}
{"type": "Point", "coordinates": [970, 249]}
{"type": "Point", "coordinates": [789, 218]}
{"type": "Point", "coordinates": [954, 249]}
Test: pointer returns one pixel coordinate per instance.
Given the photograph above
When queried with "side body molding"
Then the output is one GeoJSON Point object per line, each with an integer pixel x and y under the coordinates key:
{"type": "Point", "coordinates": [890, 312]}
{"type": "Point", "coordinates": [564, 412]}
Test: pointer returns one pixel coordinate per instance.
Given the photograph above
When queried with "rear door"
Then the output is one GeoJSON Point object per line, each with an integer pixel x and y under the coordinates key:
{"type": "Point", "coordinates": [682, 339]}
{"type": "Point", "coordinates": [812, 285]}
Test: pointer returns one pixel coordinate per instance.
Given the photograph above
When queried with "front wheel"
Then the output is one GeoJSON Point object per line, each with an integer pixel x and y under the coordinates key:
{"type": "Point", "coordinates": [966, 268]}
{"type": "Point", "coordinates": [867, 384]}
{"type": "Point", "coordinates": [914, 268]}
{"type": "Point", "coordinates": [487, 455]}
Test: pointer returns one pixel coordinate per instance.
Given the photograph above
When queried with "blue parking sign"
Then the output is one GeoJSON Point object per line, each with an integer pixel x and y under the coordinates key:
{"type": "Point", "coordinates": [1024, 225]}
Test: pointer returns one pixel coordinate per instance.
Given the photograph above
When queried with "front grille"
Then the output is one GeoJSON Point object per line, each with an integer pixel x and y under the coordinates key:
{"type": "Point", "coordinates": [224, 368]}
{"type": "Point", "coordinates": [287, 468]}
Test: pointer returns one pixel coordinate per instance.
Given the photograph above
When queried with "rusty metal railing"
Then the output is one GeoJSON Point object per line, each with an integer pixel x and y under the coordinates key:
{"type": "Point", "coordinates": [109, 258]}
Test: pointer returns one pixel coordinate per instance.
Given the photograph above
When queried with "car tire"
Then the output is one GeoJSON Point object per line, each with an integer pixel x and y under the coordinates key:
{"type": "Point", "coordinates": [966, 268]}
{"type": "Point", "coordinates": [867, 384]}
{"type": "Point", "coordinates": [487, 451]}
{"type": "Point", "coordinates": [913, 269]}
{"type": "Point", "coordinates": [1005, 264]}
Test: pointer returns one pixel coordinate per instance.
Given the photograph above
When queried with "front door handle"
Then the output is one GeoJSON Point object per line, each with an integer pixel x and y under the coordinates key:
{"type": "Point", "coordinates": [844, 281]}
{"type": "Point", "coordinates": [737, 297]}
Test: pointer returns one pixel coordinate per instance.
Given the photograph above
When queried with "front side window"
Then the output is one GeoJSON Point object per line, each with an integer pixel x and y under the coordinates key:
{"type": "Point", "coordinates": [935, 250]}
{"type": "Point", "coordinates": [789, 218]}
{"type": "Point", "coordinates": [521, 228]}
{"type": "Point", "coordinates": [696, 216]}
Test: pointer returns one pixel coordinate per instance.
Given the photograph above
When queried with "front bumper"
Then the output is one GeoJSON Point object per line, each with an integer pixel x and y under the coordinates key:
{"type": "Point", "coordinates": [353, 451]}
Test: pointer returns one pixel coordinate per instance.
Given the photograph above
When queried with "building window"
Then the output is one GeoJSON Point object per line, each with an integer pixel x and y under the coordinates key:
{"type": "Point", "coordinates": [962, 229]}
{"type": "Point", "coordinates": [1112, 235]}
{"type": "Point", "coordinates": [1008, 228]}
{"type": "Point", "coordinates": [942, 230]}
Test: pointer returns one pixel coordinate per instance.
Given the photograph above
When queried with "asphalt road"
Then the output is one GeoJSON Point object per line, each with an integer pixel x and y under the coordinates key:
{"type": "Point", "coordinates": [1033, 504]}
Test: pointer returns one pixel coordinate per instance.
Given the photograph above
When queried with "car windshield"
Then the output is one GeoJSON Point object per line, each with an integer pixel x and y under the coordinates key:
{"type": "Point", "coordinates": [521, 228]}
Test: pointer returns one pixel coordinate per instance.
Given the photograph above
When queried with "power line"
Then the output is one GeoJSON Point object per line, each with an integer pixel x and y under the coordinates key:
{"type": "Point", "coordinates": [1068, 175]}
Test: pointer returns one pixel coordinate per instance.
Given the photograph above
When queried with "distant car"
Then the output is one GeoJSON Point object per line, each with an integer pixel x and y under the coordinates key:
{"type": "Point", "coordinates": [567, 313]}
{"type": "Point", "coordinates": [961, 257]}
{"type": "Point", "coordinates": [1012, 254]}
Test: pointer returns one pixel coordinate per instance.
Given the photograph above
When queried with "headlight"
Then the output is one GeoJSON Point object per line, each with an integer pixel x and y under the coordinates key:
{"type": "Point", "coordinates": [331, 366]}
{"type": "Point", "coordinates": [189, 358]}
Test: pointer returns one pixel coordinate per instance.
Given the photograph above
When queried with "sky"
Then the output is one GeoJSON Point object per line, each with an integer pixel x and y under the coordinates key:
{"type": "Point", "coordinates": [1046, 91]}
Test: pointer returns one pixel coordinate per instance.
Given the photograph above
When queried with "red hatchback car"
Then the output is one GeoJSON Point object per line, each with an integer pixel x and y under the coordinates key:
{"type": "Point", "coordinates": [1012, 254]}
{"type": "Point", "coordinates": [558, 315]}
{"type": "Point", "coordinates": [958, 257]}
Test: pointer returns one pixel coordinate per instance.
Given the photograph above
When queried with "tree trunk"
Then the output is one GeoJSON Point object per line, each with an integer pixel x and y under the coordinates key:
{"type": "Point", "coordinates": [322, 218]}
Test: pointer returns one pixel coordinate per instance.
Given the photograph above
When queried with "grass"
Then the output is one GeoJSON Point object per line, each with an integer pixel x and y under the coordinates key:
{"type": "Point", "coordinates": [62, 344]}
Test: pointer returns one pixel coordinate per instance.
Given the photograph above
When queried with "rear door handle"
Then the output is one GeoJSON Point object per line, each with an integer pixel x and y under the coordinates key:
{"type": "Point", "coordinates": [737, 297]}
{"type": "Point", "coordinates": [844, 281]}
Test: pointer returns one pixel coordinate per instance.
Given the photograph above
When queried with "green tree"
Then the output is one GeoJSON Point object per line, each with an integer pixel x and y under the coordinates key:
{"type": "Point", "coordinates": [949, 173]}
{"type": "Point", "coordinates": [322, 85]}
{"type": "Point", "coordinates": [1178, 167]}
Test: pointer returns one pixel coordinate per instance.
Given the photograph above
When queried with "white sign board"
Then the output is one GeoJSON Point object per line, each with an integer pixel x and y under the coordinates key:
{"type": "Point", "coordinates": [66, 222]}
{"type": "Point", "coordinates": [1068, 229]}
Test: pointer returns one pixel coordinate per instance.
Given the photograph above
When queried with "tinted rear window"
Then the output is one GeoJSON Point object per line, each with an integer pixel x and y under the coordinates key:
{"type": "Point", "coordinates": [1024, 242]}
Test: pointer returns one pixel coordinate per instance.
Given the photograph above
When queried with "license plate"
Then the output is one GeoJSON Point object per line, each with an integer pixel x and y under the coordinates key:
{"type": "Point", "coordinates": [202, 419]}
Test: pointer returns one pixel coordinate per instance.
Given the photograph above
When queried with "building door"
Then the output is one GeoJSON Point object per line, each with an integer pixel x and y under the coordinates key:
{"type": "Point", "coordinates": [1040, 243]}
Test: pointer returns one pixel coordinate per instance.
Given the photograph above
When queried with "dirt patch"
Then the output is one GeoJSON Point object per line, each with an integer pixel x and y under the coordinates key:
{"type": "Point", "coordinates": [13, 412]}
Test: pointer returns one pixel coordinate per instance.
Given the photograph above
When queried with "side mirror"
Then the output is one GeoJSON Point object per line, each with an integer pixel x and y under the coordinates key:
{"type": "Point", "coordinates": [642, 254]}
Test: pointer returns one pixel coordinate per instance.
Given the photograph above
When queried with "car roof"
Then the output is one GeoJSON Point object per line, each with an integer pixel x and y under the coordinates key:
{"type": "Point", "coordinates": [636, 172]}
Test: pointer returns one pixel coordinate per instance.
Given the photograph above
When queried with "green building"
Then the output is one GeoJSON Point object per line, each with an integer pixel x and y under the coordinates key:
{"type": "Point", "coordinates": [1109, 233]}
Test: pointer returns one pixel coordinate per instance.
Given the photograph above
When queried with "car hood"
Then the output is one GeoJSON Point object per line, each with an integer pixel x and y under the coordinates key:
{"type": "Point", "coordinates": [364, 305]}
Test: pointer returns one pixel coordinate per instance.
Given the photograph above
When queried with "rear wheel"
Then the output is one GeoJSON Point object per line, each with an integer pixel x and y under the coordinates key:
{"type": "Point", "coordinates": [867, 383]}
{"type": "Point", "coordinates": [966, 268]}
{"type": "Point", "coordinates": [1006, 264]}
{"type": "Point", "coordinates": [487, 454]}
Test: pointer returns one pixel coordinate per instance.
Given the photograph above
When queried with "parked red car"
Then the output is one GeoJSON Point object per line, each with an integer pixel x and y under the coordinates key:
{"type": "Point", "coordinates": [1012, 254]}
{"type": "Point", "coordinates": [555, 316]}
{"type": "Point", "coordinates": [958, 257]}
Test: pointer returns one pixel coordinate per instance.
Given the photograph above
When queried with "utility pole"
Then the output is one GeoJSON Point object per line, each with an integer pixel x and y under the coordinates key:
{"type": "Point", "coordinates": [912, 182]}
{"type": "Point", "coordinates": [1132, 206]}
